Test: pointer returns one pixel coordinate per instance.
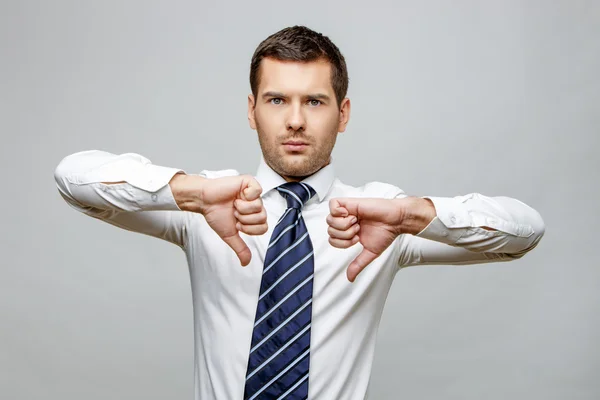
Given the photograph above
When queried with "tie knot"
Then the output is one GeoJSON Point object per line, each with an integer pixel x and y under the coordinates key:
{"type": "Point", "coordinates": [296, 193]}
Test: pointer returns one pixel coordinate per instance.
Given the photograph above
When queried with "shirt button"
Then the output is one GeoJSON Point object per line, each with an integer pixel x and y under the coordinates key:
{"type": "Point", "coordinates": [453, 219]}
{"type": "Point", "coordinates": [154, 197]}
{"type": "Point", "coordinates": [444, 233]}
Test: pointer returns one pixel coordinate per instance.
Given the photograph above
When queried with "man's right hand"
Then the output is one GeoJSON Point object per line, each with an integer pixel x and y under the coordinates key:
{"type": "Point", "coordinates": [230, 205]}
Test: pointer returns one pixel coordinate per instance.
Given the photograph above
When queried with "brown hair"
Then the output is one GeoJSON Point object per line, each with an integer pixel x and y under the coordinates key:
{"type": "Point", "coordinates": [299, 43]}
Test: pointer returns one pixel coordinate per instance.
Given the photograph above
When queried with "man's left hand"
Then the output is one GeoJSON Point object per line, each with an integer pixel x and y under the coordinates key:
{"type": "Point", "coordinates": [375, 223]}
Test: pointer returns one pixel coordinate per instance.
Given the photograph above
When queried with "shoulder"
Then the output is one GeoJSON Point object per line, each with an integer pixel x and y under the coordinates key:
{"type": "Point", "coordinates": [370, 189]}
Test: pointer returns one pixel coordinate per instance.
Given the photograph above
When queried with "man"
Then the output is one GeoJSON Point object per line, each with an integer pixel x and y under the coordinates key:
{"type": "Point", "coordinates": [295, 322]}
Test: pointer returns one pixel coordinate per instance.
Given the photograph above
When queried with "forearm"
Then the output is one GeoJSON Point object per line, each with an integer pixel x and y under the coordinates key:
{"type": "Point", "coordinates": [414, 214]}
{"type": "Point", "coordinates": [474, 222]}
{"type": "Point", "coordinates": [418, 213]}
{"type": "Point", "coordinates": [187, 191]}
{"type": "Point", "coordinates": [93, 181]}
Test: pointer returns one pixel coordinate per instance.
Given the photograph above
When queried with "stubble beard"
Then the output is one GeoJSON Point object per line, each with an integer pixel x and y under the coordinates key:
{"type": "Point", "coordinates": [297, 166]}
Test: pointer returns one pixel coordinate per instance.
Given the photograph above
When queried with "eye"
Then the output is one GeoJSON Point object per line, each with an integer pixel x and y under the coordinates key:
{"type": "Point", "coordinates": [315, 102]}
{"type": "Point", "coordinates": [276, 101]}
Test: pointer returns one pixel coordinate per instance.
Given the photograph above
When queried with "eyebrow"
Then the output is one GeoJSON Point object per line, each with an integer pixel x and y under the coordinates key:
{"type": "Point", "coordinates": [315, 96]}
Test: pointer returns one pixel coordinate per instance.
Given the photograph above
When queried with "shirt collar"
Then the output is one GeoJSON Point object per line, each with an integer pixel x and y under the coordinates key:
{"type": "Point", "coordinates": [320, 181]}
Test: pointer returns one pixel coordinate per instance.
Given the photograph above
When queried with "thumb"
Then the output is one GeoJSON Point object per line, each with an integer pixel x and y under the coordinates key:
{"type": "Point", "coordinates": [349, 205]}
{"type": "Point", "coordinates": [336, 209]}
{"type": "Point", "coordinates": [359, 263]}
{"type": "Point", "coordinates": [251, 189]}
{"type": "Point", "coordinates": [239, 246]}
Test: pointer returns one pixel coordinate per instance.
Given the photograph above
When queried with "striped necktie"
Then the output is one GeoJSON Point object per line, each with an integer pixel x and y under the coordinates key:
{"type": "Point", "coordinates": [279, 353]}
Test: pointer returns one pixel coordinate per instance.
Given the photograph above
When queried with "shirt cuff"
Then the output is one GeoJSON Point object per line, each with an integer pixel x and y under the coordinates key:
{"type": "Point", "coordinates": [450, 223]}
{"type": "Point", "coordinates": [162, 199]}
{"type": "Point", "coordinates": [436, 230]}
{"type": "Point", "coordinates": [154, 178]}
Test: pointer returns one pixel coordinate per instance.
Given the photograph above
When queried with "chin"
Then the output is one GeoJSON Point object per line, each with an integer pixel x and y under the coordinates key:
{"type": "Point", "coordinates": [294, 165]}
{"type": "Point", "coordinates": [286, 167]}
{"type": "Point", "coordinates": [300, 170]}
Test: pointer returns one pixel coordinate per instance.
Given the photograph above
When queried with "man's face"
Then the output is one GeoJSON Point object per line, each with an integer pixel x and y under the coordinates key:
{"type": "Point", "coordinates": [296, 116]}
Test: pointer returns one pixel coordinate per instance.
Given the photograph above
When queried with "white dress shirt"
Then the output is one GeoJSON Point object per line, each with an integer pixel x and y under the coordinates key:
{"type": "Point", "coordinates": [345, 315]}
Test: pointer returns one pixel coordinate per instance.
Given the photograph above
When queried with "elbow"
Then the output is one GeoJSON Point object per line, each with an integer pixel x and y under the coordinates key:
{"type": "Point", "coordinates": [61, 173]}
{"type": "Point", "coordinates": [74, 164]}
{"type": "Point", "coordinates": [69, 167]}
{"type": "Point", "coordinates": [539, 229]}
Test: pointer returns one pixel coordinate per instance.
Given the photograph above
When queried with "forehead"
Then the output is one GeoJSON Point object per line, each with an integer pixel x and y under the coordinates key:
{"type": "Point", "coordinates": [295, 76]}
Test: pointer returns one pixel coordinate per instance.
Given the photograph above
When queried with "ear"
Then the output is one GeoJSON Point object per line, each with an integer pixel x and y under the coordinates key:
{"type": "Point", "coordinates": [344, 115]}
{"type": "Point", "coordinates": [251, 106]}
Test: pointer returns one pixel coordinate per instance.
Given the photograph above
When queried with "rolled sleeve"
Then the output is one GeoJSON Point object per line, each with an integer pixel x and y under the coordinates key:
{"type": "Point", "coordinates": [438, 231]}
{"type": "Point", "coordinates": [162, 199]}
{"type": "Point", "coordinates": [461, 221]}
{"type": "Point", "coordinates": [125, 190]}
{"type": "Point", "coordinates": [127, 182]}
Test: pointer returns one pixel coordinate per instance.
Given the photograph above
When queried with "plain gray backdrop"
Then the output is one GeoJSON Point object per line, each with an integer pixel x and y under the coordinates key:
{"type": "Point", "coordinates": [448, 98]}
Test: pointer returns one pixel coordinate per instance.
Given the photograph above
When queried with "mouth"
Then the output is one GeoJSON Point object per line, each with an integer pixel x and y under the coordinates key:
{"type": "Point", "coordinates": [295, 145]}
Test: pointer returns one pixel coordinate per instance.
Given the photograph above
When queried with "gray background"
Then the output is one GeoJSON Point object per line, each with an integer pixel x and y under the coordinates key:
{"type": "Point", "coordinates": [500, 98]}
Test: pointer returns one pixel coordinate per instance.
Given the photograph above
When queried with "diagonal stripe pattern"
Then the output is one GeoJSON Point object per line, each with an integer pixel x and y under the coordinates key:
{"type": "Point", "coordinates": [280, 350]}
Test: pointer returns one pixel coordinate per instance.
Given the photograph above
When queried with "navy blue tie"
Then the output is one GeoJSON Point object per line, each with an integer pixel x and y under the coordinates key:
{"type": "Point", "coordinates": [279, 353]}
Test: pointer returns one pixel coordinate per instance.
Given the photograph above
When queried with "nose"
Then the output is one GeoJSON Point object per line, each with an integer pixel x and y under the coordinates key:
{"type": "Point", "coordinates": [295, 118]}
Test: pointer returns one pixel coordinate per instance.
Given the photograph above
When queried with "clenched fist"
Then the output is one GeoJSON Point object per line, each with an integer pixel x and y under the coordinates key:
{"type": "Point", "coordinates": [375, 223]}
{"type": "Point", "coordinates": [230, 205]}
